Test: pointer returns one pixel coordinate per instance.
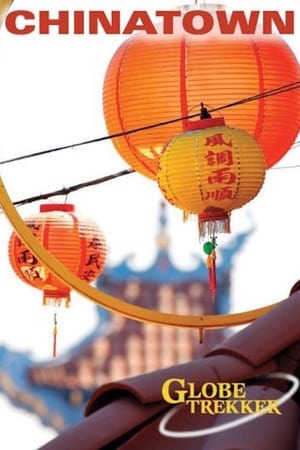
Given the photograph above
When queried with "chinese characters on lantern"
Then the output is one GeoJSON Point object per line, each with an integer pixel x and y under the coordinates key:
{"type": "Point", "coordinates": [93, 262]}
{"type": "Point", "coordinates": [223, 180]}
{"type": "Point", "coordinates": [29, 264]}
{"type": "Point", "coordinates": [32, 270]}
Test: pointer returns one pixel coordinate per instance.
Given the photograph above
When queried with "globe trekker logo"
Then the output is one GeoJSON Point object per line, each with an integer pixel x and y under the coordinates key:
{"type": "Point", "coordinates": [220, 398]}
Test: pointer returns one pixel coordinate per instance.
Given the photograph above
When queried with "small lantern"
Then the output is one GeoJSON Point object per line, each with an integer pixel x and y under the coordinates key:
{"type": "Point", "coordinates": [210, 171]}
{"type": "Point", "coordinates": [77, 242]}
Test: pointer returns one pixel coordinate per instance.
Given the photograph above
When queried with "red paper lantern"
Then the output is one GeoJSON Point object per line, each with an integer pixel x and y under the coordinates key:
{"type": "Point", "coordinates": [77, 242]}
{"type": "Point", "coordinates": [157, 78]}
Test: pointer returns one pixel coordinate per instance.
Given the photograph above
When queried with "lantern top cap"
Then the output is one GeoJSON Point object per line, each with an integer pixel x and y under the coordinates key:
{"type": "Point", "coordinates": [66, 207]}
{"type": "Point", "coordinates": [201, 124]}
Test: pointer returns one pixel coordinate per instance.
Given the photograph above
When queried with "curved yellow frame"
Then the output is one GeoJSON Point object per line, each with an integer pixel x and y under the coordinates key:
{"type": "Point", "coordinates": [4, 6]}
{"type": "Point", "coordinates": [107, 301]}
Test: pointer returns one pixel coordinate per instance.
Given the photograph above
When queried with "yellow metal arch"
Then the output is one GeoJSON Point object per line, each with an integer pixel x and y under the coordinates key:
{"type": "Point", "coordinates": [4, 6]}
{"type": "Point", "coordinates": [107, 301]}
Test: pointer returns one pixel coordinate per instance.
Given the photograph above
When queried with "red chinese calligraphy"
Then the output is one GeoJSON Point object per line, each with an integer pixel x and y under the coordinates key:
{"type": "Point", "coordinates": [27, 257]}
{"type": "Point", "coordinates": [88, 275]}
{"type": "Point", "coordinates": [32, 273]}
{"type": "Point", "coordinates": [223, 175]}
{"type": "Point", "coordinates": [95, 243]}
{"type": "Point", "coordinates": [217, 139]}
{"type": "Point", "coordinates": [216, 158]}
{"type": "Point", "coordinates": [94, 259]}
{"type": "Point", "coordinates": [225, 193]}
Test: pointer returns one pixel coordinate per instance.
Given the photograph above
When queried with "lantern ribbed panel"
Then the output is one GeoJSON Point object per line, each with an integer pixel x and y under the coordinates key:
{"type": "Point", "coordinates": [77, 242]}
{"type": "Point", "coordinates": [132, 88]}
{"type": "Point", "coordinates": [188, 180]}
{"type": "Point", "coordinates": [152, 79]}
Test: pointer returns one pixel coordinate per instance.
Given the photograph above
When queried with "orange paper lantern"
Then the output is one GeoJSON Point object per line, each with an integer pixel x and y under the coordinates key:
{"type": "Point", "coordinates": [157, 78]}
{"type": "Point", "coordinates": [76, 242]}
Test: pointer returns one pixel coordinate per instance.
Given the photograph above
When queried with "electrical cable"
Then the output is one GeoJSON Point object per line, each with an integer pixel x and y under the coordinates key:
{"type": "Point", "coordinates": [76, 187]}
{"type": "Point", "coordinates": [275, 91]}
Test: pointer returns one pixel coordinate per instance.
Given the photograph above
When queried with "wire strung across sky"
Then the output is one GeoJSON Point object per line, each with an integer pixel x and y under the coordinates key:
{"type": "Point", "coordinates": [67, 190]}
{"type": "Point", "coordinates": [75, 187]}
{"type": "Point", "coordinates": [96, 181]}
{"type": "Point", "coordinates": [275, 91]}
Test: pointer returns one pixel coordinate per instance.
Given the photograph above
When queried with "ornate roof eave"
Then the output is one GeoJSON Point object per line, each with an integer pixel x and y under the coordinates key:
{"type": "Point", "coordinates": [163, 270]}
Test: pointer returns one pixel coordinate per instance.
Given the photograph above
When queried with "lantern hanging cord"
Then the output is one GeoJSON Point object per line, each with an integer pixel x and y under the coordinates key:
{"type": "Point", "coordinates": [275, 91]}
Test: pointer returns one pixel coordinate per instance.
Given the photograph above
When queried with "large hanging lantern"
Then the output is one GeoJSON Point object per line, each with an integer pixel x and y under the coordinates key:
{"type": "Point", "coordinates": [210, 171]}
{"type": "Point", "coordinates": [77, 242]}
{"type": "Point", "coordinates": [157, 78]}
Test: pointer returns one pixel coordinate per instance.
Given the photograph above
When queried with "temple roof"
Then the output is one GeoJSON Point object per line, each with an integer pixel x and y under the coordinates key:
{"type": "Point", "coordinates": [264, 358]}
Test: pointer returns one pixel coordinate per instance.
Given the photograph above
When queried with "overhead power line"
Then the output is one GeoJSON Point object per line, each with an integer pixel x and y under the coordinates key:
{"type": "Point", "coordinates": [275, 91]}
{"type": "Point", "coordinates": [76, 187]}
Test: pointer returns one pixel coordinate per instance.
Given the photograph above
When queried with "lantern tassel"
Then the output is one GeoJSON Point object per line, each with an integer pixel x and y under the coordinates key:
{"type": "Point", "coordinates": [209, 224]}
{"type": "Point", "coordinates": [212, 278]}
{"type": "Point", "coordinates": [54, 335]}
